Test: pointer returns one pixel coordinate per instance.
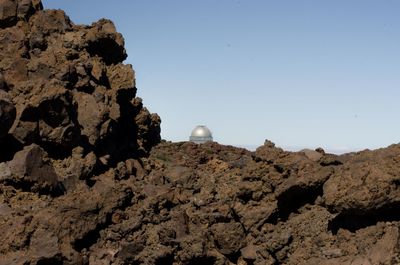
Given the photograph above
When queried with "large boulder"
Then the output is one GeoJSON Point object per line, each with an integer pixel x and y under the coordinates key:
{"type": "Point", "coordinates": [31, 170]}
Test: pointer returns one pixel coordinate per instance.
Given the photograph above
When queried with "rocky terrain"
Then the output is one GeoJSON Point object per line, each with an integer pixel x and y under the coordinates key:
{"type": "Point", "coordinates": [85, 178]}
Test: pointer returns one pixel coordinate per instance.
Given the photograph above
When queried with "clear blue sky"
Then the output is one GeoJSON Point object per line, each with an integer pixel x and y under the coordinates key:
{"type": "Point", "coordinates": [302, 73]}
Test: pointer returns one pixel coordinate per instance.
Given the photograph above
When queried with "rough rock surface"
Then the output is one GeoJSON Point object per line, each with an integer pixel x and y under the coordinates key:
{"type": "Point", "coordinates": [83, 179]}
{"type": "Point", "coordinates": [63, 86]}
{"type": "Point", "coordinates": [70, 123]}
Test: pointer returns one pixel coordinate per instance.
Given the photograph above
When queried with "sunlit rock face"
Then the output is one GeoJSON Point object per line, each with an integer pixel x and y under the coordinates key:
{"type": "Point", "coordinates": [64, 86]}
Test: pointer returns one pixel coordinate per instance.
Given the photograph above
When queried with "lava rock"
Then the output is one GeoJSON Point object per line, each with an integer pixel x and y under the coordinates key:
{"type": "Point", "coordinates": [8, 13]}
{"type": "Point", "coordinates": [7, 114]}
{"type": "Point", "coordinates": [30, 169]}
{"type": "Point", "coordinates": [312, 154]}
{"type": "Point", "coordinates": [229, 237]}
{"type": "Point", "coordinates": [3, 84]}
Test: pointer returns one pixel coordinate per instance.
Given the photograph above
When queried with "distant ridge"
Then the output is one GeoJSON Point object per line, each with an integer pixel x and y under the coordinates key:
{"type": "Point", "coordinates": [331, 150]}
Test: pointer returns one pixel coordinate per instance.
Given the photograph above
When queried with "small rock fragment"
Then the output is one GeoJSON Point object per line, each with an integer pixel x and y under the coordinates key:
{"type": "Point", "coordinates": [8, 13]}
{"type": "Point", "coordinates": [249, 253]}
{"type": "Point", "coordinates": [311, 154]}
{"type": "Point", "coordinates": [3, 84]}
{"type": "Point", "coordinates": [7, 114]}
{"type": "Point", "coordinates": [229, 237]}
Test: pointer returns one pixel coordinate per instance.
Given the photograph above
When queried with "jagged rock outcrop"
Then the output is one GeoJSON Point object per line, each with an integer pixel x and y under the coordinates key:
{"type": "Point", "coordinates": [69, 87]}
{"type": "Point", "coordinates": [69, 121]}
{"type": "Point", "coordinates": [213, 204]}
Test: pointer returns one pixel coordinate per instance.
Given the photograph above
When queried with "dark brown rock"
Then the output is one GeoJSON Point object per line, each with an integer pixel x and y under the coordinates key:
{"type": "Point", "coordinates": [50, 21]}
{"type": "Point", "coordinates": [63, 96]}
{"type": "Point", "coordinates": [229, 237]}
{"type": "Point", "coordinates": [44, 245]}
{"type": "Point", "coordinates": [69, 122]}
{"type": "Point", "coordinates": [105, 42]}
{"type": "Point", "coordinates": [249, 253]}
{"type": "Point", "coordinates": [312, 154]}
{"type": "Point", "coordinates": [25, 9]}
{"type": "Point", "coordinates": [3, 84]}
{"type": "Point", "coordinates": [8, 13]}
{"type": "Point", "coordinates": [26, 126]}
{"type": "Point", "coordinates": [30, 168]}
{"type": "Point", "coordinates": [7, 114]}
{"type": "Point", "coordinates": [365, 183]}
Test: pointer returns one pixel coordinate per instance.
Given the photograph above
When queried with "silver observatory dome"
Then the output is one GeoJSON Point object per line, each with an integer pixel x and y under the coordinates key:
{"type": "Point", "coordinates": [201, 134]}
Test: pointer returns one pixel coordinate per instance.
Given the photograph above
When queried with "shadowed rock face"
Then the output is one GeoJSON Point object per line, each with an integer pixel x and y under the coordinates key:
{"type": "Point", "coordinates": [84, 180]}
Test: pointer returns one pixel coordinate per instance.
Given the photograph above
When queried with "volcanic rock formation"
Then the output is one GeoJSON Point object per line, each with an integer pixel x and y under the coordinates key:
{"type": "Point", "coordinates": [64, 87]}
{"type": "Point", "coordinates": [68, 117]}
{"type": "Point", "coordinates": [84, 179]}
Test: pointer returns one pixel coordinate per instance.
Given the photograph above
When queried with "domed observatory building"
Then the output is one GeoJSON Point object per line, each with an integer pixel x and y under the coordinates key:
{"type": "Point", "coordinates": [200, 135]}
